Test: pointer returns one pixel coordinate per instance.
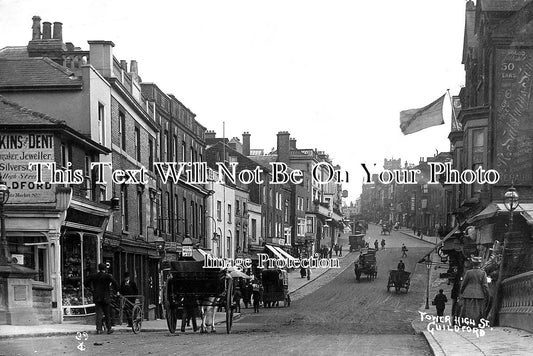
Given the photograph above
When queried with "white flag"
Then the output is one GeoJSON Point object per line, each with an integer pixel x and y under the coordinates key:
{"type": "Point", "coordinates": [414, 120]}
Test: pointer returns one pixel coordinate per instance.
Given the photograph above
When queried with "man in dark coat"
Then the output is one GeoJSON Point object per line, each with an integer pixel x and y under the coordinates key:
{"type": "Point", "coordinates": [128, 287]}
{"type": "Point", "coordinates": [100, 284]}
{"type": "Point", "coordinates": [401, 266]}
{"type": "Point", "coordinates": [440, 302]}
{"type": "Point", "coordinates": [190, 305]}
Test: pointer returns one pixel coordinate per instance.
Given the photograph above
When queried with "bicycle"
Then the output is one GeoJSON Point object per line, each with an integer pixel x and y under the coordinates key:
{"type": "Point", "coordinates": [135, 308]}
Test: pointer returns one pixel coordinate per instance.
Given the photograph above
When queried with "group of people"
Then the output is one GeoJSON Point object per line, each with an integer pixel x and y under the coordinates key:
{"type": "Point", "coordinates": [376, 244]}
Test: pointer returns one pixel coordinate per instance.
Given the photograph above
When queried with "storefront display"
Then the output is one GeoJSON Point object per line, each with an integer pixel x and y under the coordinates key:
{"type": "Point", "coordinates": [79, 261]}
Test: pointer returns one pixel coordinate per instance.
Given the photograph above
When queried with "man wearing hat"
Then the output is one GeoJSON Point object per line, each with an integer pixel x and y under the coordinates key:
{"type": "Point", "coordinates": [129, 287]}
{"type": "Point", "coordinates": [474, 290]}
{"type": "Point", "coordinates": [100, 283]}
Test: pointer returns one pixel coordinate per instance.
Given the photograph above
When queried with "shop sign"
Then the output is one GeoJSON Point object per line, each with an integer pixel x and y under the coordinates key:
{"type": "Point", "coordinates": [186, 251]}
{"type": "Point", "coordinates": [513, 125]}
{"type": "Point", "coordinates": [17, 150]}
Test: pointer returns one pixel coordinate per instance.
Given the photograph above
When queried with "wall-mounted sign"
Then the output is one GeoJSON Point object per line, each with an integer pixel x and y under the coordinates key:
{"type": "Point", "coordinates": [513, 110]}
{"type": "Point", "coordinates": [16, 151]}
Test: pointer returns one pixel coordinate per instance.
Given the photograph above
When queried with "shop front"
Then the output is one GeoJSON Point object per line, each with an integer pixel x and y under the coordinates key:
{"type": "Point", "coordinates": [81, 239]}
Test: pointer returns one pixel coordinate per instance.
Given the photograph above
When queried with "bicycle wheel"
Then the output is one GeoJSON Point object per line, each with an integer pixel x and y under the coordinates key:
{"type": "Point", "coordinates": [137, 319]}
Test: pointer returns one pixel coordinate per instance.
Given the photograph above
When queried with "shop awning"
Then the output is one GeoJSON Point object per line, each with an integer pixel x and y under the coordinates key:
{"type": "Point", "coordinates": [276, 252]}
{"type": "Point", "coordinates": [287, 256]}
{"type": "Point", "coordinates": [495, 209]}
{"type": "Point", "coordinates": [204, 254]}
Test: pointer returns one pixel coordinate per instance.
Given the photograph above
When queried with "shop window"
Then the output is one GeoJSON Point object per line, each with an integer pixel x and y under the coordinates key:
{"type": "Point", "coordinates": [34, 257]}
{"type": "Point", "coordinates": [79, 262]}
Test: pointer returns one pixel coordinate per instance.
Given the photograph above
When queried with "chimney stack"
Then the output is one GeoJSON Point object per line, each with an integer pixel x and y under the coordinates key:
{"type": "Point", "coordinates": [101, 54]}
{"type": "Point", "coordinates": [246, 143]}
{"type": "Point", "coordinates": [283, 146]}
{"type": "Point", "coordinates": [124, 65]}
{"type": "Point", "coordinates": [36, 28]}
{"type": "Point", "coordinates": [58, 31]}
{"type": "Point", "coordinates": [210, 134]}
{"type": "Point", "coordinates": [133, 67]}
{"type": "Point", "coordinates": [47, 30]}
{"type": "Point", "coordinates": [293, 143]}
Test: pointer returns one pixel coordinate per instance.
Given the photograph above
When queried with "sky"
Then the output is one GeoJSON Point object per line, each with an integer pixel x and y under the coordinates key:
{"type": "Point", "coordinates": [335, 74]}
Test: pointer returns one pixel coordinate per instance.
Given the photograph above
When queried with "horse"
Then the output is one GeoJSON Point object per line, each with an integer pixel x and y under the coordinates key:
{"type": "Point", "coordinates": [207, 314]}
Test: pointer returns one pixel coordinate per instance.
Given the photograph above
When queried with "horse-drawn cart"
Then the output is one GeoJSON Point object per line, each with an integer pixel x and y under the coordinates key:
{"type": "Point", "coordinates": [366, 265]}
{"type": "Point", "coordinates": [399, 279]}
{"type": "Point", "coordinates": [275, 287]}
{"type": "Point", "coordinates": [208, 287]}
{"type": "Point", "coordinates": [357, 241]}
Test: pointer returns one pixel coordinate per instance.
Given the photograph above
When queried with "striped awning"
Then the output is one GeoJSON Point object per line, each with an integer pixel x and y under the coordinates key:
{"type": "Point", "coordinates": [276, 252]}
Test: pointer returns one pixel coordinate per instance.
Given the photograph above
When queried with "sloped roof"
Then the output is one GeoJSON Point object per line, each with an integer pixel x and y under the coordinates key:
{"type": "Point", "coordinates": [35, 73]}
{"type": "Point", "coordinates": [13, 114]}
{"type": "Point", "coordinates": [14, 52]}
{"type": "Point", "coordinates": [503, 5]}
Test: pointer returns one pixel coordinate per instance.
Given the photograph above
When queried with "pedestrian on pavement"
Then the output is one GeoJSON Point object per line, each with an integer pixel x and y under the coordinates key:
{"type": "Point", "coordinates": [440, 302]}
{"type": "Point", "coordinates": [376, 244]}
{"type": "Point", "coordinates": [382, 244]}
{"type": "Point", "coordinates": [237, 295]}
{"type": "Point", "coordinates": [336, 247]}
{"type": "Point", "coordinates": [128, 287]}
{"type": "Point", "coordinates": [414, 229]}
{"type": "Point", "coordinates": [401, 266]}
{"type": "Point", "coordinates": [256, 292]}
{"type": "Point", "coordinates": [404, 250]}
{"type": "Point", "coordinates": [247, 298]}
{"type": "Point", "coordinates": [100, 284]}
{"type": "Point", "coordinates": [330, 253]}
{"type": "Point", "coordinates": [340, 251]}
{"type": "Point", "coordinates": [474, 291]}
{"type": "Point", "coordinates": [302, 272]}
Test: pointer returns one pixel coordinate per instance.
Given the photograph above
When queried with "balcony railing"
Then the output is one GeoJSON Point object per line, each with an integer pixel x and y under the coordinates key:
{"type": "Point", "coordinates": [517, 302]}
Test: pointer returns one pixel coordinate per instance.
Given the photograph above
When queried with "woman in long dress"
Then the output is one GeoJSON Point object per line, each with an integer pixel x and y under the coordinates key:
{"type": "Point", "coordinates": [474, 290]}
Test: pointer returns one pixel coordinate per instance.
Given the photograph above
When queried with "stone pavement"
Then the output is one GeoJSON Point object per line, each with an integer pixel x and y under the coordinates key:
{"type": "Point", "coordinates": [443, 339]}
{"type": "Point", "coordinates": [409, 232]}
{"type": "Point", "coordinates": [11, 331]}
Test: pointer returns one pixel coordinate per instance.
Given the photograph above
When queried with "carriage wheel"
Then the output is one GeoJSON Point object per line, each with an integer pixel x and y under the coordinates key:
{"type": "Point", "coordinates": [229, 306]}
{"type": "Point", "coordinates": [137, 318]}
{"type": "Point", "coordinates": [172, 319]}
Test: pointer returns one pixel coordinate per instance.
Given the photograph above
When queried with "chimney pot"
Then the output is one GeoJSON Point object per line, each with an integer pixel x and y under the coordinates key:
{"type": "Point", "coordinates": [36, 28]}
{"type": "Point", "coordinates": [210, 134]}
{"type": "Point", "coordinates": [47, 30]}
{"type": "Point", "coordinates": [124, 65]}
{"type": "Point", "coordinates": [58, 31]}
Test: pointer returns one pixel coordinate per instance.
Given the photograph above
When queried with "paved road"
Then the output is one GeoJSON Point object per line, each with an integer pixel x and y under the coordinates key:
{"type": "Point", "coordinates": [333, 315]}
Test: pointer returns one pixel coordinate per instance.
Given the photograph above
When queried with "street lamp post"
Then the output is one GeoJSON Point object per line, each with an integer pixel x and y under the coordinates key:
{"type": "Point", "coordinates": [511, 201]}
{"type": "Point", "coordinates": [428, 267]}
{"type": "Point", "coordinates": [4, 251]}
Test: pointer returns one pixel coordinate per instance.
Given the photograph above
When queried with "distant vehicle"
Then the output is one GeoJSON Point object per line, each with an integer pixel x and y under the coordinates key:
{"type": "Point", "coordinates": [360, 227]}
{"type": "Point", "coordinates": [398, 280]}
{"type": "Point", "coordinates": [356, 242]}
{"type": "Point", "coordinates": [385, 229]}
{"type": "Point", "coordinates": [366, 265]}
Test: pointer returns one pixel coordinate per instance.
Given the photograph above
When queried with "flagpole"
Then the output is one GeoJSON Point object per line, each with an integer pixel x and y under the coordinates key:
{"type": "Point", "coordinates": [453, 107]}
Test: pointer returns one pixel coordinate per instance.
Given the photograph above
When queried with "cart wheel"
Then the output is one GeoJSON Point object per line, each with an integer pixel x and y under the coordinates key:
{"type": "Point", "coordinates": [172, 319]}
{"type": "Point", "coordinates": [229, 305]}
{"type": "Point", "coordinates": [137, 319]}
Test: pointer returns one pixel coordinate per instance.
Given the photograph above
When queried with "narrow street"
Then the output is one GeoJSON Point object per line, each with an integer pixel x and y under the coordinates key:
{"type": "Point", "coordinates": [333, 315]}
